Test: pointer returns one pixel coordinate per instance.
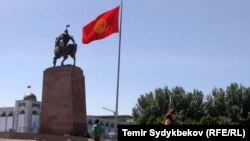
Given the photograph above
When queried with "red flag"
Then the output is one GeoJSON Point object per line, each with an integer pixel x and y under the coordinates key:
{"type": "Point", "coordinates": [103, 26]}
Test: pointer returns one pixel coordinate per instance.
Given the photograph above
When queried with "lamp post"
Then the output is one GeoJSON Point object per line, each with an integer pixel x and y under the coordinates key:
{"type": "Point", "coordinates": [114, 112]}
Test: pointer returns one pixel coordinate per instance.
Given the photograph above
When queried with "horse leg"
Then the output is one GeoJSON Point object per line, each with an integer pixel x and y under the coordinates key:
{"type": "Point", "coordinates": [74, 58]}
{"type": "Point", "coordinates": [54, 61]}
{"type": "Point", "coordinates": [64, 58]}
{"type": "Point", "coordinates": [73, 53]}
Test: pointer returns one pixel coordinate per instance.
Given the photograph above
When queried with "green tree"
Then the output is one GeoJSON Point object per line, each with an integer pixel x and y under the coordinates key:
{"type": "Point", "coordinates": [208, 107]}
{"type": "Point", "coordinates": [219, 102]}
{"type": "Point", "coordinates": [245, 102]}
{"type": "Point", "coordinates": [151, 107]}
{"type": "Point", "coordinates": [230, 106]}
{"type": "Point", "coordinates": [208, 120]}
{"type": "Point", "coordinates": [177, 99]}
{"type": "Point", "coordinates": [196, 105]}
{"type": "Point", "coordinates": [234, 102]}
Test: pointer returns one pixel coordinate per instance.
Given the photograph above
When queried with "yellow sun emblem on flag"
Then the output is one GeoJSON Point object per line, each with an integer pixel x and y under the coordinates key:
{"type": "Point", "coordinates": [100, 26]}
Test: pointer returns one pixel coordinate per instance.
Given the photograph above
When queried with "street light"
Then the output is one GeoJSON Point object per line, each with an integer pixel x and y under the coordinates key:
{"type": "Point", "coordinates": [109, 110]}
{"type": "Point", "coordinates": [114, 134]}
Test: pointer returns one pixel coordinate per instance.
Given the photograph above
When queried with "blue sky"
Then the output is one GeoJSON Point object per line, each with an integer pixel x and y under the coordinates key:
{"type": "Point", "coordinates": [196, 44]}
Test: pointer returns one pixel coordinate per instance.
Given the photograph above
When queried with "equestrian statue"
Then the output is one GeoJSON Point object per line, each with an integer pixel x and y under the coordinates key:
{"type": "Point", "coordinates": [63, 49]}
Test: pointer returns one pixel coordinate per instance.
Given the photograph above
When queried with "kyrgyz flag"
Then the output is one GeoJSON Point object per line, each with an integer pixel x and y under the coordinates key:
{"type": "Point", "coordinates": [103, 26]}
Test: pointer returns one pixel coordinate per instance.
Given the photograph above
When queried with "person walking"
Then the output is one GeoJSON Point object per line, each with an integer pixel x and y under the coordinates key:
{"type": "Point", "coordinates": [97, 130]}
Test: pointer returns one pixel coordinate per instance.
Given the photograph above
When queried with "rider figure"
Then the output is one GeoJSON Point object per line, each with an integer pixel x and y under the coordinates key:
{"type": "Point", "coordinates": [63, 40]}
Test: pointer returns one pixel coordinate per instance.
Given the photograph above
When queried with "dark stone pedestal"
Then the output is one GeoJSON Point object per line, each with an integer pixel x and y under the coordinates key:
{"type": "Point", "coordinates": [63, 109]}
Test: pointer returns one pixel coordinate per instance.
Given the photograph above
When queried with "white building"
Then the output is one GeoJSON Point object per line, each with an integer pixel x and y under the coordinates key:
{"type": "Point", "coordinates": [6, 119]}
{"type": "Point", "coordinates": [24, 118]}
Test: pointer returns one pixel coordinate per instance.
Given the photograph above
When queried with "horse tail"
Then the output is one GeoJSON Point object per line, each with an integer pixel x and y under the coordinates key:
{"type": "Point", "coordinates": [56, 51]}
{"type": "Point", "coordinates": [74, 49]}
{"type": "Point", "coordinates": [73, 52]}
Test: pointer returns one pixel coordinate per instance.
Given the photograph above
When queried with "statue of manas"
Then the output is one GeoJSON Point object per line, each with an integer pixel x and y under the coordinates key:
{"type": "Point", "coordinates": [63, 48]}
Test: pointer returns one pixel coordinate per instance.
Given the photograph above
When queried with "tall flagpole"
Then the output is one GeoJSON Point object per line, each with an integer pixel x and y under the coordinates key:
{"type": "Point", "coordinates": [118, 70]}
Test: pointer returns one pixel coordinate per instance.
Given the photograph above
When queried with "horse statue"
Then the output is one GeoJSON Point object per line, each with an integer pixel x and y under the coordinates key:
{"type": "Point", "coordinates": [70, 49]}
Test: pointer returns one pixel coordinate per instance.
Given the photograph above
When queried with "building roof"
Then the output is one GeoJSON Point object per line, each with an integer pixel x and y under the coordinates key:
{"type": "Point", "coordinates": [29, 96]}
